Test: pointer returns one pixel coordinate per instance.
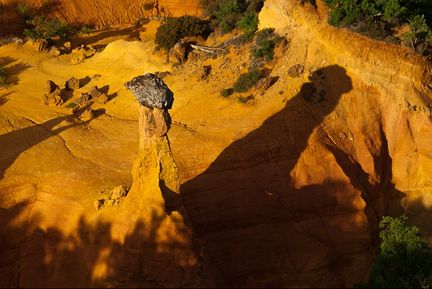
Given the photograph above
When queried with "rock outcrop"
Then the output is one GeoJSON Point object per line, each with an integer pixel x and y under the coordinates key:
{"type": "Point", "coordinates": [151, 91]}
{"type": "Point", "coordinates": [52, 94]}
{"type": "Point", "coordinates": [155, 165]}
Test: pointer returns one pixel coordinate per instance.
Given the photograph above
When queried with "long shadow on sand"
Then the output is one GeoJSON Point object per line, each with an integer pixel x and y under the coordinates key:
{"type": "Point", "coordinates": [46, 257]}
{"type": "Point", "coordinates": [251, 220]}
{"type": "Point", "coordinates": [14, 143]}
{"type": "Point", "coordinates": [13, 69]}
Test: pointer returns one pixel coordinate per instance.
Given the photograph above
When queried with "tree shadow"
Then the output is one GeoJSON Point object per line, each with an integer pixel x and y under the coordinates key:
{"type": "Point", "coordinates": [132, 33]}
{"type": "Point", "coordinates": [14, 143]}
{"type": "Point", "coordinates": [90, 257]}
{"type": "Point", "coordinates": [253, 222]}
{"type": "Point", "coordinates": [13, 69]}
{"type": "Point", "coordinates": [4, 98]}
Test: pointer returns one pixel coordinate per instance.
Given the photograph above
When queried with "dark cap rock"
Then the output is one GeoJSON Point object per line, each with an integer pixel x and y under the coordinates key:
{"type": "Point", "coordinates": [151, 91]}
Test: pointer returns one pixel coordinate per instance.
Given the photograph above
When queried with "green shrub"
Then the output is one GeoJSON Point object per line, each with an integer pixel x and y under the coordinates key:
{"type": "Point", "coordinates": [380, 18]}
{"type": "Point", "coordinates": [245, 99]}
{"type": "Point", "coordinates": [265, 43]}
{"type": "Point", "coordinates": [2, 77]}
{"type": "Point", "coordinates": [46, 28]}
{"type": "Point", "coordinates": [25, 11]}
{"type": "Point", "coordinates": [85, 29]}
{"type": "Point", "coordinates": [247, 80]}
{"type": "Point", "coordinates": [229, 14]}
{"type": "Point", "coordinates": [248, 23]}
{"type": "Point", "coordinates": [226, 92]}
{"type": "Point", "coordinates": [174, 29]}
{"type": "Point", "coordinates": [404, 260]}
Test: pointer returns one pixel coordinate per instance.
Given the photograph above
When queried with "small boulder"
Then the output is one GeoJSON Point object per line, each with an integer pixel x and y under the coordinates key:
{"type": "Point", "coordinates": [72, 83]}
{"type": "Point", "coordinates": [52, 94]}
{"type": "Point", "coordinates": [119, 192]}
{"type": "Point", "coordinates": [205, 72]}
{"type": "Point", "coordinates": [151, 91]}
{"type": "Point", "coordinates": [54, 51]}
{"type": "Point", "coordinates": [266, 83]}
{"type": "Point", "coordinates": [94, 92]}
{"type": "Point", "coordinates": [296, 70]}
{"type": "Point", "coordinates": [39, 44]}
{"type": "Point", "coordinates": [98, 204]}
{"type": "Point", "coordinates": [97, 95]}
{"type": "Point", "coordinates": [67, 45]}
{"type": "Point", "coordinates": [102, 99]}
{"type": "Point", "coordinates": [179, 51]}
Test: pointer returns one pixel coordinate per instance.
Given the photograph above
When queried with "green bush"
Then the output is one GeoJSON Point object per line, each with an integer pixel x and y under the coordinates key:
{"type": "Point", "coordinates": [247, 80]}
{"type": "Point", "coordinates": [174, 29]}
{"type": "Point", "coordinates": [380, 18]}
{"type": "Point", "coordinates": [85, 29]}
{"type": "Point", "coordinates": [265, 43]}
{"type": "Point", "coordinates": [2, 77]}
{"type": "Point", "coordinates": [248, 23]}
{"type": "Point", "coordinates": [46, 28]}
{"type": "Point", "coordinates": [404, 260]}
{"type": "Point", "coordinates": [245, 99]}
{"type": "Point", "coordinates": [229, 14]}
{"type": "Point", "coordinates": [226, 92]}
{"type": "Point", "coordinates": [25, 11]}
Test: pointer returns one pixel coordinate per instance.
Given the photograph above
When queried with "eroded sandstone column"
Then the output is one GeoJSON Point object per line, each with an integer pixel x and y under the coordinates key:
{"type": "Point", "coordinates": [154, 197]}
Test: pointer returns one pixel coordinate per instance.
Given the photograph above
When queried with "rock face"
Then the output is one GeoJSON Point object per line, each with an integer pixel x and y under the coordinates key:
{"type": "Point", "coordinates": [179, 51]}
{"type": "Point", "coordinates": [151, 91]}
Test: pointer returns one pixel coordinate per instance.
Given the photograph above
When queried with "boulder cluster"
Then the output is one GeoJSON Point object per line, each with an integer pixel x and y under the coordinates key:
{"type": "Point", "coordinates": [111, 198]}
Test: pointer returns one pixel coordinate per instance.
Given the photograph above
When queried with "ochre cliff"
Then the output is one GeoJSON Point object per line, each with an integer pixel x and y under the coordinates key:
{"type": "Point", "coordinates": [286, 190]}
{"type": "Point", "coordinates": [295, 200]}
{"type": "Point", "coordinates": [100, 13]}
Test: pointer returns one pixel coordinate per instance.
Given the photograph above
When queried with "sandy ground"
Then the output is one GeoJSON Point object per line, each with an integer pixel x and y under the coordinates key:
{"type": "Point", "coordinates": [46, 153]}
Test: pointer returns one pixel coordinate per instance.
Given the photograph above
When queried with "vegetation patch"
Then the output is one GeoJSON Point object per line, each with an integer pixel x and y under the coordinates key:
{"type": "Point", "coordinates": [404, 260]}
{"type": "Point", "coordinates": [227, 15]}
{"type": "Point", "coordinates": [227, 92]}
{"type": "Point", "coordinates": [174, 29]}
{"type": "Point", "coordinates": [265, 42]}
{"type": "Point", "coordinates": [41, 27]}
{"type": "Point", "coordinates": [245, 99]}
{"type": "Point", "coordinates": [380, 19]}
{"type": "Point", "coordinates": [247, 80]}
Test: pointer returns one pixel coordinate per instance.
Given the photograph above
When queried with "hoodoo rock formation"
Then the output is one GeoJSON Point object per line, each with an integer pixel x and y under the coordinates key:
{"type": "Point", "coordinates": [155, 167]}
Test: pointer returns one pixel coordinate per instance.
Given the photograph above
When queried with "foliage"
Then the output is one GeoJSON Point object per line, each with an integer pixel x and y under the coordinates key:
{"type": "Point", "coordinates": [247, 80]}
{"type": "Point", "coordinates": [85, 29]}
{"type": "Point", "coordinates": [265, 43]}
{"type": "Point", "coordinates": [245, 99]}
{"type": "Point", "coordinates": [174, 29]}
{"type": "Point", "coordinates": [41, 27]}
{"type": "Point", "coordinates": [248, 23]}
{"type": "Point", "coordinates": [25, 11]}
{"type": "Point", "coordinates": [380, 18]}
{"type": "Point", "coordinates": [227, 92]}
{"type": "Point", "coordinates": [229, 14]}
{"type": "Point", "coordinates": [2, 77]}
{"type": "Point", "coordinates": [404, 260]}
{"type": "Point", "coordinates": [420, 33]}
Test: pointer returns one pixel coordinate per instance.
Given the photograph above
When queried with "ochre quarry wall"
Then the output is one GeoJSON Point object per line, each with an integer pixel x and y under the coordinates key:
{"type": "Point", "coordinates": [99, 13]}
